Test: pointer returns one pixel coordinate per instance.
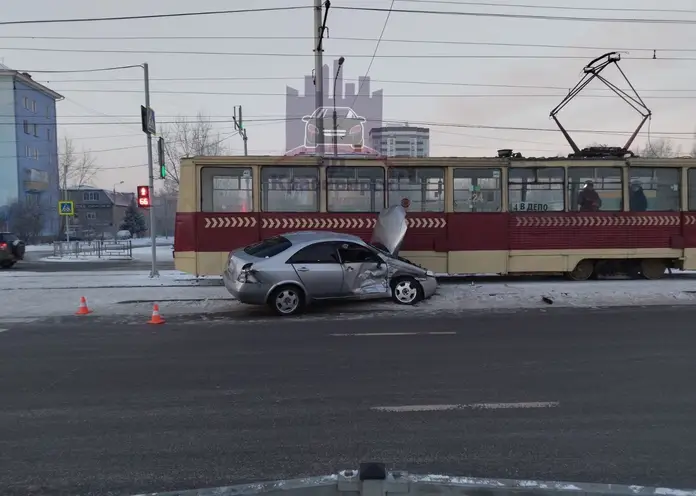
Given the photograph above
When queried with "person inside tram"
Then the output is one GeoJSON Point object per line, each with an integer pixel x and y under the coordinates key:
{"type": "Point", "coordinates": [588, 198]}
{"type": "Point", "coordinates": [638, 202]}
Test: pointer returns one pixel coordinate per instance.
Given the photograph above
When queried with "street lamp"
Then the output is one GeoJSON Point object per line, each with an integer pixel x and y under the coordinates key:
{"type": "Point", "coordinates": [335, 123]}
{"type": "Point", "coordinates": [116, 184]}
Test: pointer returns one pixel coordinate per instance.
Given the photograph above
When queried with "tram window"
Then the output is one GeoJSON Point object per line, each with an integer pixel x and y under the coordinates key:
{"type": "Point", "coordinates": [606, 181]}
{"type": "Point", "coordinates": [654, 189]}
{"type": "Point", "coordinates": [536, 189]}
{"type": "Point", "coordinates": [290, 189]}
{"type": "Point", "coordinates": [477, 190]}
{"type": "Point", "coordinates": [692, 189]}
{"type": "Point", "coordinates": [227, 189]}
{"type": "Point", "coordinates": [423, 187]}
{"type": "Point", "coordinates": [355, 189]}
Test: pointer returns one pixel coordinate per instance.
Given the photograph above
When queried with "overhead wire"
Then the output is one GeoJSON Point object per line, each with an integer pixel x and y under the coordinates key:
{"type": "Point", "coordinates": [154, 16]}
{"type": "Point", "coordinates": [623, 20]}
{"type": "Point", "coordinates": [552, 7]}
{"type": "Point", "coordinates": [308, 55]}
{"type": "Point", "coordinates": [353, 38]}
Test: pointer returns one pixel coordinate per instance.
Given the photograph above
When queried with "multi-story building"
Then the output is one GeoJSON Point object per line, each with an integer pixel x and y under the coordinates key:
{"type": "Point", "coordinates": [401, 141]}
{"type": "Point", "coordinates": [28, 146]}
{"type": "Point", "coordinates": [98, 212]}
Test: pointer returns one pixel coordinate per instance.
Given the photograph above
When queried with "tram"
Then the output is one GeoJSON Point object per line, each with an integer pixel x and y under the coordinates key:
{"type": "Point", "coordinates": [499, 215]}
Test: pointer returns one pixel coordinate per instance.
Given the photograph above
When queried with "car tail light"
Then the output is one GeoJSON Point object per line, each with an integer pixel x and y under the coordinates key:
{"type": "Point", "coordinates": [356, 129]}
{"type": "Point", "coordinates": [3, 246]}
{"type": "Point", "coordinates": [246, 275]}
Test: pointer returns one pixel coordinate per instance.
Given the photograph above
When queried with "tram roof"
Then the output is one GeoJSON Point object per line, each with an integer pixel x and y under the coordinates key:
{"type": "Point", "coordinates": [306, 160]}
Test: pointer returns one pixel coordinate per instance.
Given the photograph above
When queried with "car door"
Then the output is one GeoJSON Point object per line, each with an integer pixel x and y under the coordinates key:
{"type": "Point", "coordinates": [365, 274]}
{"type": "Point", "coordinates": [318, 267]}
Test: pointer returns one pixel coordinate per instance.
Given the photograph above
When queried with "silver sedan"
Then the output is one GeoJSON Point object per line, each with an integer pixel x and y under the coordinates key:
{"type": "Point", "coordinates": [290, 271]}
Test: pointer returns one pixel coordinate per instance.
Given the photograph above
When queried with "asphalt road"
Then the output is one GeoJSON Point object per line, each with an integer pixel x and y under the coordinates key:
{"type": "Point", "coordinates": [96, 405]}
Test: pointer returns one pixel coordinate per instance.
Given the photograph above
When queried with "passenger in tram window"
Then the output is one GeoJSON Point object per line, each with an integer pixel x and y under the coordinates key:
{"type": "Point", "coordinates": [588, 198]}
{"type": "Point", "coordinates": [638, 201]}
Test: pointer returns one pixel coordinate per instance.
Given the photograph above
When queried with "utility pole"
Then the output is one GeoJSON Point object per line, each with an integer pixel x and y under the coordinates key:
{"type": "Point", "coordinates": [319, 28]}
{"type": "Point", "coordinates": [335, 117]}
{"type": "Point", "coordinates": [65, 197]}
{"type": "Point", "coordinates": [239, 126]}
{"type": "Point", "coordinates": [150, 170]}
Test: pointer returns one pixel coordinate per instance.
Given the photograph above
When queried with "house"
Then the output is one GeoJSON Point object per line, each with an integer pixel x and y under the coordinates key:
{"type": "Point", "coordinates": [98, 212]}
{"type": "Point", "coordinates": [28, 147]}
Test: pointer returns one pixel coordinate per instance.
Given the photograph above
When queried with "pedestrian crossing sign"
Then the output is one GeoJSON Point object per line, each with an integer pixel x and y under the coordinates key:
{"type": "Point", "coordinates": [66, 208]}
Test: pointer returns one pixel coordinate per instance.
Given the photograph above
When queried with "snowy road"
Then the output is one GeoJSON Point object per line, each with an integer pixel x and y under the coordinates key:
{"type": "Point", "coordinates": [565, 394]}
{"type": "Point", "coordinates": [132, 294]}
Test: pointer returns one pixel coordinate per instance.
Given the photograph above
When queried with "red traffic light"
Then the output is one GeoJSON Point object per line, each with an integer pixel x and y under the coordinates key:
{"type": "Point", "coordinates": [144, 196]}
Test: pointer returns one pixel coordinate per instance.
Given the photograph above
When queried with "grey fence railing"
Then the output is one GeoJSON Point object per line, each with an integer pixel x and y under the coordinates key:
{"type": "Point", "coordinates": [373, 480]}
{"type": "Point", "coordinates": [99, 249]}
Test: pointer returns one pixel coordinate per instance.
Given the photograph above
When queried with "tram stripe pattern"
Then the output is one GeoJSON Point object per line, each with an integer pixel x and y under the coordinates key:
{"type": "Point", "coordinates": [655, 220]}
{"type": "Point", "coordinates": [315, 222]}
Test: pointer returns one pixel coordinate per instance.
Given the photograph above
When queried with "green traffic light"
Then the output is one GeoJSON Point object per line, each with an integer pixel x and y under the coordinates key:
{"type": "Point", "coordinates": [163, 172]}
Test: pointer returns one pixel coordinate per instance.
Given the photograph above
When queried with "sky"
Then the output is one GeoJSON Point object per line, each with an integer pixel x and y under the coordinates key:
{"type": "Point", "coordinates": [472, 83]}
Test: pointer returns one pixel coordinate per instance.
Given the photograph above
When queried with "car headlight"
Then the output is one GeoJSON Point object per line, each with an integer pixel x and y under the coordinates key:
{"type": "Point", "coordinates": [430, 273]}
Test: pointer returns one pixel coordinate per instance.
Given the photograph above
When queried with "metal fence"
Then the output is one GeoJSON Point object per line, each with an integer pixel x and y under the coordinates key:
{"type": "Point", "coordinates": [99, 249]}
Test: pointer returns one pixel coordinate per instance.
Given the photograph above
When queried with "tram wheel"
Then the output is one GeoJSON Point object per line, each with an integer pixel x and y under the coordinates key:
{"type": "Point", "coordinates": [582, 271]}
{"type": "Point", "coordinates": [653, 268]}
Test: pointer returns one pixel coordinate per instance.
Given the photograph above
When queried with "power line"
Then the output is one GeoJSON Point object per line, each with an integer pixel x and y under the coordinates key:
{"type": "Point", "coordinates": [414, 95]}
{"type": "Point", "coordinates": [153, 16]}
{"type": "Point", "coordinates": [552, 7]}
{"type": "Point", "coordinates": [102, 69]}
{"type": "Point", "coordinates": [374, 53]}
{"type": "Point", "coordinates": [522, 16]}
{"type": "Point", "coordinates": [269, 120]}
{"type": "Point", "coordinates": [351, 38]}
{"type": "Point", "coordinates": [389, 81]}
{"type": "Point", "coordinates": [305, 55]}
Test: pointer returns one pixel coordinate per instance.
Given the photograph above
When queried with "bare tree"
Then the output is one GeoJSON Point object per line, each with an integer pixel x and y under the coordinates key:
{"type": "Point", "coordinates": [26, 219]}
{"type": "Point", "coordinates": [661, 148]}
{"type": "Point", "coordinates": [188, 138]}
{"type": "Point", "coordinates": [76, 168]}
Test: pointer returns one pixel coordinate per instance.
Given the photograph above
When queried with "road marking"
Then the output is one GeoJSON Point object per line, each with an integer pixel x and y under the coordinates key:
{"type": "Point", "coordinates": [447, 333]}
{"type": "Point", "coordinates": [3, 330]}
{"type": "Point", "coordinates": [470, 406]}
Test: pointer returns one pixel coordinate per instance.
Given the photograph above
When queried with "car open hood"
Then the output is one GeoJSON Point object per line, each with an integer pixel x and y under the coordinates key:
{"type": "Point", "coordinates": [390, 229]}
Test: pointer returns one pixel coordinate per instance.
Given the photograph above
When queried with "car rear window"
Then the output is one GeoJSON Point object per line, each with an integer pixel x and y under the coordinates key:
{"type": "Point", "coordinates": [268, 247]}
{"type": "Point", "coordinates": [8, 237]}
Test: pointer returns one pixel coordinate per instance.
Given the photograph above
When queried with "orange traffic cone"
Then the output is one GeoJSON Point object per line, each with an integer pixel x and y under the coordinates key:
{"type": "Point", "coordinates": [156, 319]}
{"type": "Point", "coordinates": [83, 310]}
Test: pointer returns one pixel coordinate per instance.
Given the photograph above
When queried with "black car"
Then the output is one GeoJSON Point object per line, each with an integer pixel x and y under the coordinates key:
{"type": "Point", "coordinates": [350, 129]}
{"type": "Point", "coordinates": [11, 250]}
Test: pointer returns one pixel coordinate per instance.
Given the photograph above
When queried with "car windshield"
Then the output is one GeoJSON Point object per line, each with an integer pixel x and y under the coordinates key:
{"type": "Point", "coordinates": [268, 247]}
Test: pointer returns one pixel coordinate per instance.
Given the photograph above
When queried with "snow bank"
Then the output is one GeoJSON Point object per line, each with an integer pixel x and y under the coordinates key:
{"type": "Point", "coordinates": [27, 294]}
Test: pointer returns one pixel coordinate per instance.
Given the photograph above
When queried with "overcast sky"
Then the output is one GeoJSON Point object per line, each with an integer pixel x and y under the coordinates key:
{"type": "Point", "coordinates": [115, 105]}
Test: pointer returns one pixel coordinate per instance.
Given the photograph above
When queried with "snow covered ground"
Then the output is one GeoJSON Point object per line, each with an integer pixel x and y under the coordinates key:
{"type": "Point", "coordinates": [140, 242]}
{"type": "Point", "coordinates": [33, 295]}
{"type": "Point", "coordinates": [143, 253]}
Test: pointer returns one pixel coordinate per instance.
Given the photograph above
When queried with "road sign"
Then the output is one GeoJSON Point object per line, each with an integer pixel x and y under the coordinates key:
{"type": "Point", "coordinates": [66, 208]}
{"type": "Point", "coordinates": [147, 120]}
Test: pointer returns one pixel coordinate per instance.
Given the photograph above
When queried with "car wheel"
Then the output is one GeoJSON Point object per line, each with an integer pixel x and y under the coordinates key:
{"type": "Point", "coordinates": [407, 291]}
{"type": "Point", "coordinates": [287, 300]}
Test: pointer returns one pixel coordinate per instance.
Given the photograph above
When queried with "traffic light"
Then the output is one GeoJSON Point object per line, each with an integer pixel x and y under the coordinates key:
{"type": "Point", "coordinates": [160, 158]}
{"type": "Point", "coordinates": [144, 196]}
